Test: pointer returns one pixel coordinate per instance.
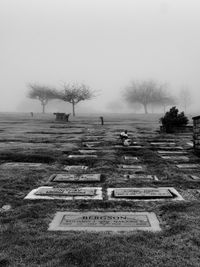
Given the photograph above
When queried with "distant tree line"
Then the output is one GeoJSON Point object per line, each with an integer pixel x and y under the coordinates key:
{"type": "Point", "coordinates": [72, 93]}
{"type": "Point", "coordinates": [148, 93]}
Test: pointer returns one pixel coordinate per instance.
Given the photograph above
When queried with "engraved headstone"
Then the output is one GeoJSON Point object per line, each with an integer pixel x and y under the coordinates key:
{"type": "Point", "coordinates": [141, 177]}
{"type": "Point", "coordinates": [84, 151]}
{"type": "Point", "coordinates": [175, 158]}
{"type": "Point", "coordinates": [22, 164]}
{"type": "Point", "coordinates": [171, 152]}
{"type": "Point", "coordinates": [104, 221]}
{"type": "Point", "coordinates": [131, 158]}
{"type": "Point", "coordinates": [46, 192]}
{"type": "Point", "coordinates": [76, 178]}
{"type": "Point", "coordinates": [142, 193]}
{"type": "Point", "coordinates": [131, 167]}
{"type": "Point", "coordinates": [65, 192]}
{"type": "Point", "coordinates": [188, 166]}
{"type": "Point", "coordinates": [195, 177]}
{"type": "Point", "coordinates": [75, 168]}
{"type": "Point", "coordinates": [82, 156]}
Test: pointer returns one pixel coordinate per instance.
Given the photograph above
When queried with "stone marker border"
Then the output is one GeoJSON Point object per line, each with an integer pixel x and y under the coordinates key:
{"type": "Point", "coordinates": [75, 178]}
{"type": "Point", "coordinates": [175, 193]}
{"type": "Point", "coordinates": [32, 195]}
{"type": "Point", "coordinates": [105, 221]}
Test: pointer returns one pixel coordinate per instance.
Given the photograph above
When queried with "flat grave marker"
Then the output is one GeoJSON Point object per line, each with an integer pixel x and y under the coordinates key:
{"type": "Point", "coordinates": [171, 152]}
{"type": "Point", "coordinates": [76, 168]}
{"type": "Point", "coordinates": [195, 177]}
{"type": "Point", "coordinates": [87, 151]}
{"type": "Point", "coordinates": [128, 167]}
{"type": "Point", "coordinates": [175, 158]}
{"type": "Point", "coordinates": [143, 194]}
{"type": "Point", "coordinates": [163, 144]}
{"type": "Point", "coordinates": [104, 221]}
{"type": "Point", "coordinates": [22, 164]}
{"type": "Point", "coordinates": [141, 176]}
{"type": "Point", "coordinates": [82, 156]}
{"type": "Point", "coordinates": [188, 166]}
{"type": "Point", "coordinates": [75, 178]}
{"type": "Point", "coordinates": [47, 192]}
{"type": "Point", "coordinates": [131, 158]}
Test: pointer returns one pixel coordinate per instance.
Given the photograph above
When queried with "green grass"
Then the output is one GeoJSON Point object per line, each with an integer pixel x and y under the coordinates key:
{"type": "Point", "coordinates": [24, 239]}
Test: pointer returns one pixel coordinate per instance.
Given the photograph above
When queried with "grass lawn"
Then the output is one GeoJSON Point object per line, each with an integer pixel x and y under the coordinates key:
{"type": "Point", "coordinates": [24, 238]}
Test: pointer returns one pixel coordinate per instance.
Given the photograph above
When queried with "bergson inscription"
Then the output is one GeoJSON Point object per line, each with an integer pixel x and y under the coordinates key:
{"type": "Point", "coordinates": [104, 221]}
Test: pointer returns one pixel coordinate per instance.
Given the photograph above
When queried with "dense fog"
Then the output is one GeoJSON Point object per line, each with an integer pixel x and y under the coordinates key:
{"type": "Point", "coordinates": [105, 44]}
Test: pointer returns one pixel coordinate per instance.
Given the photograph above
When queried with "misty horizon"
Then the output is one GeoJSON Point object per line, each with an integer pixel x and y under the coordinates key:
{"type": "Point", "coordinates": [105, 44]}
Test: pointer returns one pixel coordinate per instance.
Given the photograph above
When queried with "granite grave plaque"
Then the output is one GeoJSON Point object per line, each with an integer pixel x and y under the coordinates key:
{"type": "Point", "coordinates": [195, 177]}
{"type": "Point", "coordinates": [128, 167]}
{"type": "Point", "coordinates": [52, 193]}
{"type": "Point", "coordinates": [22, 164]}
{"type": "Point", "coordinates": [76, 178]}
{"type": "Point", "coordinates": [141, 177]}
{"type": "Point", "coordinates": [188, 166]}
{"type": "Point", "coordinates": [84, 151]}
{"type": "Point", "coordinates": [131, 158]}
{"type": "Point", "coordinates": [104, 221]}
{"type": "Point", "coordinates": [171, 152]}
{"type": "Point", "coordinates": [75, 168]}
{"type": "Point", "coordinates": [143, 194]}
{"type": "Point", "coordinates": [82, 156]}
{"type": "Point", "coordinates": [175, 158]}
{"type": "Point", "coordinates": [65, 192]}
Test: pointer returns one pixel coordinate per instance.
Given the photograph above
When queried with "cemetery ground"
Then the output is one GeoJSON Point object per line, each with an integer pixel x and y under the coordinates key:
{"type": "Point", "coordinates": [46, 145]}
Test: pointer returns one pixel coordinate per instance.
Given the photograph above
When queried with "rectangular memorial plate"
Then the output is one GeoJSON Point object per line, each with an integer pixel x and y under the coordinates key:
{"type": "Point", "coordinates": [171, 152]}
{"type": "Point", "coordinates": [188, 166]}
{"type": "Point", "coordinates": [162, 143]}
{"type": "Point", "coordinates": [142, 193]}
{"type": "Point", "coordinates": [81, 156]}
{"type": "Point", "coordinates": [77, 178]}
{"type": "Point", "coordinates": [195, 177]}
{"type": "Point", "coordinates": [131, 158]}
{"type": "Point", "coordinates": [22, 164]}
{"type": "Point", "coordinates": [75, 168]}
{"type": "Point", "coordinates": [131, 167]}
{"type": "Point", "coordinates": [84, 151]}
{"type": "Point", "coordinates": [141, 176]}
{"type": "Point", "coordinates": [176, 158]}
{"type": "Point", "coordinates": [104, 221]}
{"type": "Point", "coordinates": [65, 192]}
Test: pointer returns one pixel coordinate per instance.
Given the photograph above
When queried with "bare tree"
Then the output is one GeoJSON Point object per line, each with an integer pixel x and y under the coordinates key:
{"type": "Point", "coordinates": [42, 93]}
{"type": "Point", "coordinates": [74, 93]}
{"type": "Point", "coordinates": [185, 97]}
{"type": "Point", "coordinates": [145, 92]}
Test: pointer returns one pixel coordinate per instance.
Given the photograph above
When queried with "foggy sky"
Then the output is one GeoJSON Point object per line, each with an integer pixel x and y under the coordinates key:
{"type": "Point", "coordinates": [104, 43]}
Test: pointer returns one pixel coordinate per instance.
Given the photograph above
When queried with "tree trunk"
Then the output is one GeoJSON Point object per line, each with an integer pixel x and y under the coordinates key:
{"type": "Point", "coordinates": [43, 108]}
{"type": "Point", "coordinates": [145, 108]}
{"type": "Point", "coordinates": [73, 109]}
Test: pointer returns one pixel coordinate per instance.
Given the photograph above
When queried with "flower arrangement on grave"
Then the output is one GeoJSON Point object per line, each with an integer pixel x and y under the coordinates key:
{"type": "Point", "coordinates": [172, 119]}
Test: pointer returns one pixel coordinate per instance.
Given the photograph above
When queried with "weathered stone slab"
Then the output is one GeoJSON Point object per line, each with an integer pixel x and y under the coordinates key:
{"type": "Point", "coordinates": [87, 151]}
{"type": "Point", "coordinates": [127, 167]}
{"type": "Point", "coordinates": [82, 156]}
{"type": "Point", "coordinates": [163, 144]}
{"type": "Point", "coordinates": [90, 177]}
{"type": "Point", "coordinates": [22, 164]}
{"type": "Point", "coordinates": [175, 158]}
{"type": "Point", "coordinates": [47, 192]}
{"type": "Point", "coordinates": [75, 168]}
{"type": "Point", "coordinates": [141, 177]}
{"type": "Point", "coordinates": [195, 177]}
{"type": "Point", "coordinates": [131, 146]}
{"type": "Point", "coordinates": [190, 144]}
{"type": "Point", "coordinates": [171, 152]}
{"type": "Point", "coordinates": [131, 158]}
{"type": "Point", "coordinates": [172, 148]}
{"type": "Point", "coordinates": [104, 221]}
{"type": "Point", "coordinates": [188, 166]}
{"type": "Point", "coordinates": [143, 194]}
